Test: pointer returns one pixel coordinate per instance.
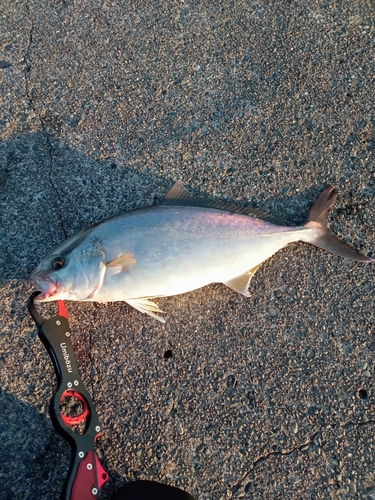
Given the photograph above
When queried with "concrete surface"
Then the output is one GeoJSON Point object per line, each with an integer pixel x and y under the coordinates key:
{"type": "Point", "coordinates": [103, 105]}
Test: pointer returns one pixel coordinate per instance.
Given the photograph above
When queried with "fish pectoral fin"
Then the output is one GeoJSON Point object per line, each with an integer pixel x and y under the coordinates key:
{"type": "Point", "coordinates": [241, 283]}
{"type": "Point", "coordinates": [144, 305]}
{"type": "Point", "coordinates": [123, 262]}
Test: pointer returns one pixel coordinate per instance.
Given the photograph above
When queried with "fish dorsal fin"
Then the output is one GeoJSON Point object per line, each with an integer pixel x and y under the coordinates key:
{"type": "Point", "coordinates": [178, 196]}
{"type": "Point", "coordinates": [144, 305]}
{"type": "Point", "coordinates": [241, 283]}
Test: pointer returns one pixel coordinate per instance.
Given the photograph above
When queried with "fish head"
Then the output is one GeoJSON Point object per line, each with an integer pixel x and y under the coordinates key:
{"type": "Point", "coordinates": [69, 273]}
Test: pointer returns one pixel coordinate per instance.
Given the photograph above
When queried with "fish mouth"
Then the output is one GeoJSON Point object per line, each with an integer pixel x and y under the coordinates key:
{"type": "Point", "coordinates": [46, 287]}
{"type": "Point", "coordinates": [45, 296]}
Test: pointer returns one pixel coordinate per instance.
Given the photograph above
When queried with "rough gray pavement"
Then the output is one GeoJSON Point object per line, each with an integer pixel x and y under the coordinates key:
{"type": "Point", "coordinates": [103, 106]}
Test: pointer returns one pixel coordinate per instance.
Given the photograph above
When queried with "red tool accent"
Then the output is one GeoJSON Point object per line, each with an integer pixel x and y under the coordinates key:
{"type": "Point", "coordinates": [102, 475]}
{"type": "Point", "coordinates": [82, 416]}
{"type": "Point", "coordinates": [84, 481]}
{"type": "Point", "coordinates": [61, 308]}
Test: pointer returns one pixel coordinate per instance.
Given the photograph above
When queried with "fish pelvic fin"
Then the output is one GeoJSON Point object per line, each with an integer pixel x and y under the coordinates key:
{"type": "Point", "coordinates": [241, 283]}
{"type": "Point", "coordinates": [321, 236]}
{"type": "Point", "coordinates": [144, 305]}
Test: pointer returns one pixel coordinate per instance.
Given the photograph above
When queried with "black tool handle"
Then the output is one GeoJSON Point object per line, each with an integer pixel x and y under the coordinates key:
{"type": "Point", "coordinates": [86, 475]}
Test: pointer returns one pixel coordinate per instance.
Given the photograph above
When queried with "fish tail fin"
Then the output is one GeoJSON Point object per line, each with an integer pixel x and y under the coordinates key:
{"type": "Point", "coordinates": [321, 236]}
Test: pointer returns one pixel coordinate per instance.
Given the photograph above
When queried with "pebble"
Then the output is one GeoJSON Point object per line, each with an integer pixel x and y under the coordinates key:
{"type": "Point", "coordinates": [272, 312]}
{"type": "Point", "coordinates": [180, 429]}
{"type": "Point", "coordinates": [352, 488]}
{"type": "Point", "coordinates": [5, 64]}
{"type": "Point", "coordinates": [199, 448]}
{"type": "Point", "coordinates": [294, 480]}
{"type": "Point", "coordinates": [250, 487]}
{"type": "Point", "coordinates": [231, 382]}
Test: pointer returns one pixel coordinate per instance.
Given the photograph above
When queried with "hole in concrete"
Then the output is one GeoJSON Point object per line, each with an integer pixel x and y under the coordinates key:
{"type": "Point", "coordinates": [168, 354]}
{"type": "Point", "coordinates": [362, 394]}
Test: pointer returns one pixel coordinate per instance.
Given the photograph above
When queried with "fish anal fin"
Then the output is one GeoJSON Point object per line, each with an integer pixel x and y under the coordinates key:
{"type": "Point", "coordinates": [123, 262]}
{"type": "Point", "coordinates": [178, 196]}
{"type": "Point", "coordinates": [241, 283]}
{"type": "Point", "coordinates": [144, 305]}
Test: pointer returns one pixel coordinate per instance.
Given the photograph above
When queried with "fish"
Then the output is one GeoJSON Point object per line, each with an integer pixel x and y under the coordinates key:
{"type": "Point", "coordinates": [182, 244]}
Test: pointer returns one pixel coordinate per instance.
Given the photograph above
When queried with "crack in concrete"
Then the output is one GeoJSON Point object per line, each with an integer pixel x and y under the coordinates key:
{"type": "Point", "coordinates": [27, 60]}
{"type": "Point", "coordinates": [349, 427]}
{"type": "Point", "coordinates": [48, 136]}
{"type": "Point", "coordinates": [304, 446]}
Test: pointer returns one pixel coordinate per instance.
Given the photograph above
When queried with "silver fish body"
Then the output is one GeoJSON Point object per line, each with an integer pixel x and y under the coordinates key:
{"type": "Point", "coordinates": [169, 249]}
{"type": "Point", "coordinates": [178, 249]}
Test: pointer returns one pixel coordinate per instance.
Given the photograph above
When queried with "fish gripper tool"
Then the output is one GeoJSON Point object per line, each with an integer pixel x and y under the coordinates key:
{"type": "Point", "coordinates": [86, 475]}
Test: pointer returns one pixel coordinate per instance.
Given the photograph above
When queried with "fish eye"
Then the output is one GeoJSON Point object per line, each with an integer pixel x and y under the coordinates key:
{"type": "Point", "coordinates": [58, 262]}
